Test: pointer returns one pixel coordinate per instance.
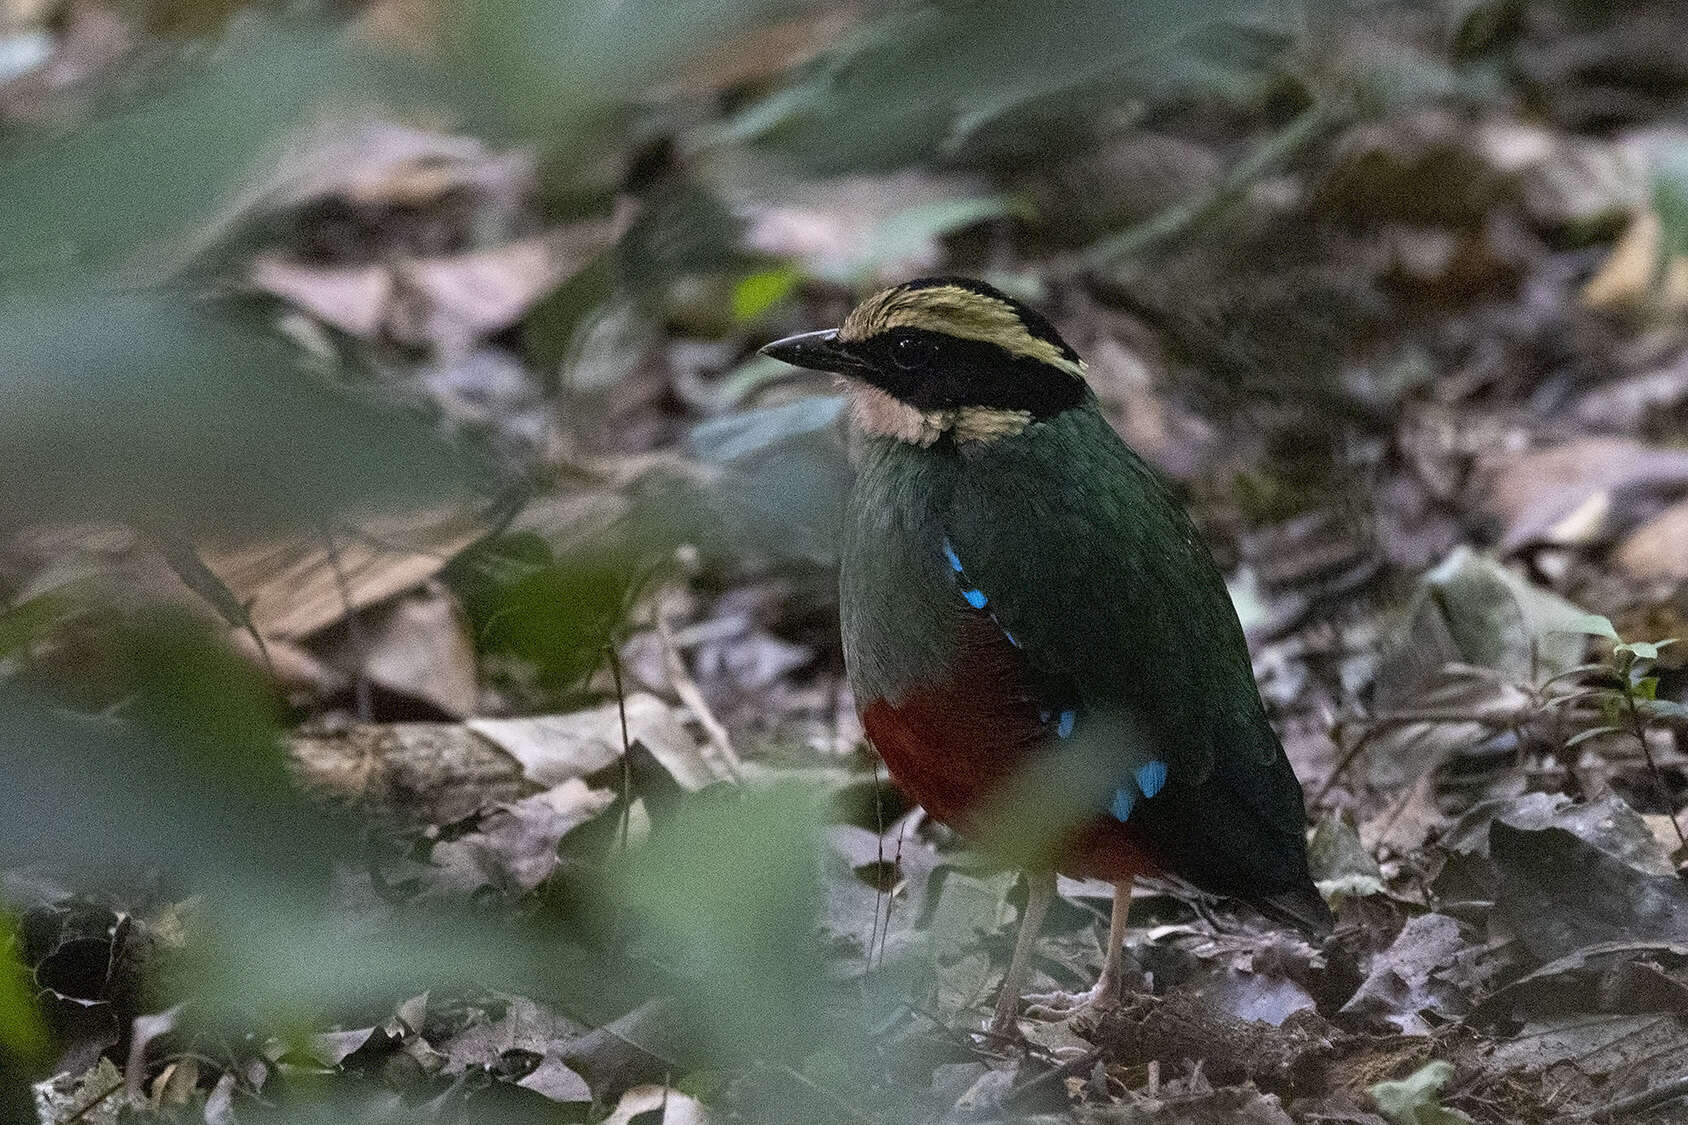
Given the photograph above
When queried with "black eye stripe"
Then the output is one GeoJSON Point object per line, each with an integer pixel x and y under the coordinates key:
{"type": "Point", "coordinates": [957, 372]}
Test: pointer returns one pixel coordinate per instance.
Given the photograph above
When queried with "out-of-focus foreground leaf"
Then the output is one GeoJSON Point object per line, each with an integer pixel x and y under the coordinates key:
{"type": "Point", "coordinates": [931, 76]}
{"type": "Point", "coordinates": [143, 187]}
{"type": "Point", "coordinates": [728, 893]}
{"type": "Point", "coordinates": [146, 407]}
{"type": "Point", "coordinates": [565, 69]}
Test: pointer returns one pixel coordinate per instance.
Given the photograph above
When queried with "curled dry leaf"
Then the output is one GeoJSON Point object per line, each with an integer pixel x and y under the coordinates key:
{"type": "Point", "coordinates": [1631, 279]}
{"type": "Point", "coordinates": [446, 304]}
{"type": "Point", "coordinates": [554, 748]}
{"type": "Point", "coordinates": [1580, 492]}
{"type": "Point", "coordinates": [1410, 978]}
{"type": "Point", "coordinates": [1655, 550]}
{"type": "Point", "coordinates": [514, 847]}
{"type": "Point", "coordinates": [416, 645]}
{"type": "Point", "coordinates": [664, 1103]}
{"type": "Point", "coordinates": [295, 587]}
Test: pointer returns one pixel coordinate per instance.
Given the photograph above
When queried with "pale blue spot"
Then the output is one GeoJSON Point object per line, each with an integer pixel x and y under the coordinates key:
{"type": "Point", "coordinates": [1065, 728]}
{"type": "Point", "coordinates": [1010, 636]}
{"type": "Point", "coordinates": [954, 559]}
{"type": "Point", "coordinates": [1151, 778]}
{"type": "Point", "coordinates": [1124, 798]}
{"type": "Point", "coordinates": [975, 598]}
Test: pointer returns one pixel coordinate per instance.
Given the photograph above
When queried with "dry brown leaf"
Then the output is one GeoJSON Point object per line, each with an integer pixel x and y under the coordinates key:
{"type": "Point", "coordinates": [553, 748]}
{"type": "Point", "coordinates": [1580, 492]}
{"type": "Point", "coordinates": [513, 847]}
{"type": "Point", "coordinates": [673, 1107]}
{"type": "Point", "coordinates": [299, 586]}
{"type": "Point", "coordinates": [353, 299]}
{"type": "Point", "coordinates": [826, 225]}
{"type": "Point", "coordinates": [376, 161]}
{"type": "Point", "coordinates": [447, 304]}
{"type": "Point", "coordinates": [418, 645]}
{"type": "Point", "coordinates": [1631, 277]}
{"type": "Point", "coordinates": [1659, 547]}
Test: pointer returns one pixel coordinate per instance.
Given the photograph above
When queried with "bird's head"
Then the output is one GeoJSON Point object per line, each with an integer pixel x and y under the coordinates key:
{"type": "Point", "coordinates": [944, 355]}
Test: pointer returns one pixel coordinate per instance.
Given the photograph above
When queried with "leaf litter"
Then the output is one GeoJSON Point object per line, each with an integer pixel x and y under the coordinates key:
{"type": "Point", "coordinates": [1426, 536]}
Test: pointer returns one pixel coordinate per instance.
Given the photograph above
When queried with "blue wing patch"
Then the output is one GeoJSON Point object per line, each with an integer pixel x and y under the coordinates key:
{"type": "Point", "coordinates": [954, 560]}
{"type": "Point", "coordinates": [1064, 728]}
{"type": "Point", "coordinates": [1125, 798]}
{"type": "Point", "coordinates": [1147, 779]}
{"type": "Point", "coordinates": [1151, 778]}
{"type": "Point", "coordinates": [974, 596]}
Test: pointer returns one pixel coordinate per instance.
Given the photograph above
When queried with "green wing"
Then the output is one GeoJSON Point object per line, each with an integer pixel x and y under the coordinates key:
{"type": "Point", "coordinates": [1095, 569]}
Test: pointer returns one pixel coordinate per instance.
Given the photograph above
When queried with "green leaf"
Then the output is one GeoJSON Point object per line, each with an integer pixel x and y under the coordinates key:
{"type": "Point", "coordinates": [1639, 650]}
{"type": "Point", "coordinates": [779, 479]}
{"type": "Point", "coordinates": [1414, 1100]}
{"type": "Point", "coordinates": [761, 291]}
{"type": "Point", "coordinates": [21, 1029]}
{"type": "Point", "coordinates": [1592, 624]}
{"type": "Point", "coordinates": [1339, 862]}
{"type": "Point", "coordinates": [1593, 732]}
{"type": "Point", "coordinates": [146, 187]}
{"type": "Point", "coordinates": [162, 412]}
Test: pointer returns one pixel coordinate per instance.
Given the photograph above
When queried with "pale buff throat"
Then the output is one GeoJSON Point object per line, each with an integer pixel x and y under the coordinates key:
{"type": "Point", "coordinates": [877, 413]}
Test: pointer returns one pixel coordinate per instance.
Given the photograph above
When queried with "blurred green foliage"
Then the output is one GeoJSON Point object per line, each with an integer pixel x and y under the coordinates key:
{"type": "Point", "coordinates": [140, 386]}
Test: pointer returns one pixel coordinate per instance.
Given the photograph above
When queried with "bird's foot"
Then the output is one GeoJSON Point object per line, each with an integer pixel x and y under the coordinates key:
{"type": "Point", "coordinates": [1052, 1006]}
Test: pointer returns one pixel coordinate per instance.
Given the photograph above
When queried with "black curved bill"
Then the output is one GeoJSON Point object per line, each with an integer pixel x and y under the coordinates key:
{"type": "Point", "coordinates": [818, 351]}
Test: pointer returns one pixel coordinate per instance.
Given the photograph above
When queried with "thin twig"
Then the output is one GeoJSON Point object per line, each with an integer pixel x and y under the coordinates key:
{"type": "Point", "coordinates": [1647, 1099]}
{"type": "Point", "coordinates": [828, 1096]}
{"type": "Point", "coordinates": [361, 691]}
{"type": "Point", "coordinates": [727, 763]}
{"type": "Point", "coordinates": [1639, 729]}
{"type": "Point", "coordinates": [879, 854]}
{"type": "Point", "coordinates": [614, 659]}
{"type": "Point", "coordinates": [1072, 1068]}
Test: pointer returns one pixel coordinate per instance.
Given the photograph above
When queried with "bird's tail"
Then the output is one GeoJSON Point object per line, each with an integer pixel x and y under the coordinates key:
{"type": "Point", "coordinates": [1302, 907]}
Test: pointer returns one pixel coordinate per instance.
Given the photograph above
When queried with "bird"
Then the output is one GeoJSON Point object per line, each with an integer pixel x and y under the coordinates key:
{"type": "Point", "coordinates": [1041, 647]}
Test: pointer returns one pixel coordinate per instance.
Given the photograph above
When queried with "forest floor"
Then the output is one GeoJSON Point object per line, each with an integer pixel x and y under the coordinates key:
{"type": "Point", "coordinates": [1422, 377]}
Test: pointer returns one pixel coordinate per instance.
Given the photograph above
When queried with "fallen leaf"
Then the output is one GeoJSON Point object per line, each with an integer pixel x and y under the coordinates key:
{"type": "Point", "coordinates": [295, 587]}
{"type": "Point", "coordinates": [553, 748]}
{"type": "Point", "coordinates": [1580, 492]}
{"type": "Point", "coordinates": [1406, 980]}
{"type": "Point", "coordinates": [1655, 549]}
{"type": "Point", "coordinates": [330, 1048]}
{"type": "Point", "coordinates": [1472, 610]}
{"type": "Point", "coordinates": [1631, 279]}
{"type": "Point", "coordinates": [522, 1026]}
{"type": "Point", "coordinates": [670, 1105]}
{"type": "Point", "coordinates": [1559, 893]}
{"type": "Point", "coordinates": [1415, 1100]}
{"type": "Point", "coordinates": [552, 1079]}
{"type": "Point", "coordinates": [1231, 1105]}
{"type": "Point", "coordinates": [866, 229]}
{"type": "Point", "coordinates": [634, 1049]}
{"type": "Point", "coordinates": [416, 645]}
{"type": "Point", "coordinates": [1339, 863]}
{"type": "Point", "coordinates": [514, 847]}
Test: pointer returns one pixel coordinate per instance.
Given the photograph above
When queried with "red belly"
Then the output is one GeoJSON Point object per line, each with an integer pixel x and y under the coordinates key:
{"type": "Point", "coordinates": [954, 750]}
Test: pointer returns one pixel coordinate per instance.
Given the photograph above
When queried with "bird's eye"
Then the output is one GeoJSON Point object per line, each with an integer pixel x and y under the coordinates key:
{"type": "Point", "coordinates": [912, 352]}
